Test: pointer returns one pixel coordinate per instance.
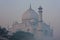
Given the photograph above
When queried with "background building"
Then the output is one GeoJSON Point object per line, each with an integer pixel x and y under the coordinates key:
{"type": "Point", "coordinates": [33, 23]}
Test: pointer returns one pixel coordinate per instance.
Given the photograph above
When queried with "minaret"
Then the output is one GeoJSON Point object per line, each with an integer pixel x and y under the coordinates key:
{"type": "Point", "coordinates": [40, 14]}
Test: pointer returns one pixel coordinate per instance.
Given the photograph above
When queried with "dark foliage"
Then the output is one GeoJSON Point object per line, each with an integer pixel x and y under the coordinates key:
{"type": "Point", "coordinates": [3, 34]}
{"type": "Point", "coordinates": [20, 35]}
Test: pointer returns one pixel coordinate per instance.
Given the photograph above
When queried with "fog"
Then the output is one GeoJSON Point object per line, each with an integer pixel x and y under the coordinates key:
{"type": "Point", "coordinates": [12, 10]}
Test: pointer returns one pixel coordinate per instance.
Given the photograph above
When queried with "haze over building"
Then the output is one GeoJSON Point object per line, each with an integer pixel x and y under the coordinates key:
{"type": "Point", "coordinates": [12, 10]}
{"type": "Point", "coordinates": [32, 22]}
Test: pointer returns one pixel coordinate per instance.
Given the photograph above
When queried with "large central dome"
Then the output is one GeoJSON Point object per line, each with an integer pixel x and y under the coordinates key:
{"type": "Point", "coordinates": [30, 14]}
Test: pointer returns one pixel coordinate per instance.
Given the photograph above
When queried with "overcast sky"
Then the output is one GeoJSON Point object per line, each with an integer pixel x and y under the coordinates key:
{"type": "Point", "coordinates": [12, 10]}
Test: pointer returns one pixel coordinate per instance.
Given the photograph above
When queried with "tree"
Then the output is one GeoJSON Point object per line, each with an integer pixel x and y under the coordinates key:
{"type": "Point", "coordinates": [21, 35]}
{"type": "Point", "coordinates": [3, 34]}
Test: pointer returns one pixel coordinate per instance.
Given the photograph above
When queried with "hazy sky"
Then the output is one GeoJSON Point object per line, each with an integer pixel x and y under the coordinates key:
{"type": "Point", "coordinates": [12, 10]}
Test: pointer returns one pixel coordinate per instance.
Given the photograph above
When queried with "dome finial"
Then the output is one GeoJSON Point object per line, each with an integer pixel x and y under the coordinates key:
{"type": "Point", "coordinates": [30, 5]}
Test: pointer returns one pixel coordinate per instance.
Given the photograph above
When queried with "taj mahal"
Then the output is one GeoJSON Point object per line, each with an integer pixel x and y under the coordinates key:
{"type": "Point", "coordinates": [32, 22]}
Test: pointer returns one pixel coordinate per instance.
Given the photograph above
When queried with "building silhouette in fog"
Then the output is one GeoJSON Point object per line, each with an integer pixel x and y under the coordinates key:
{"type": "Point", "coordinates": [32, 22]}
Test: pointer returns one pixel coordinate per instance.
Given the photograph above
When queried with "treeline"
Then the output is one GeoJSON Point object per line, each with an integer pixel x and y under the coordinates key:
{"type": "Point", "coordinates": [19, 35]}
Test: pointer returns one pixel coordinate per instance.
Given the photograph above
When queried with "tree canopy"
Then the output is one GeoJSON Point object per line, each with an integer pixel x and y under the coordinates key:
{"type": "Point", "coordinates": [3, 33]}
{"type": "Point", "coordinates": [21, 35]}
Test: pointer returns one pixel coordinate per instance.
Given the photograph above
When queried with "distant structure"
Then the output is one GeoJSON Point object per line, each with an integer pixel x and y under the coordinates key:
{"type": "Point", "coordinates": [33, 23]}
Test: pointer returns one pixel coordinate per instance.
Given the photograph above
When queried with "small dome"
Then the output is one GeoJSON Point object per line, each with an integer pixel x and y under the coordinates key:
{"type": "Point", "coordinates": [30, 14]}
